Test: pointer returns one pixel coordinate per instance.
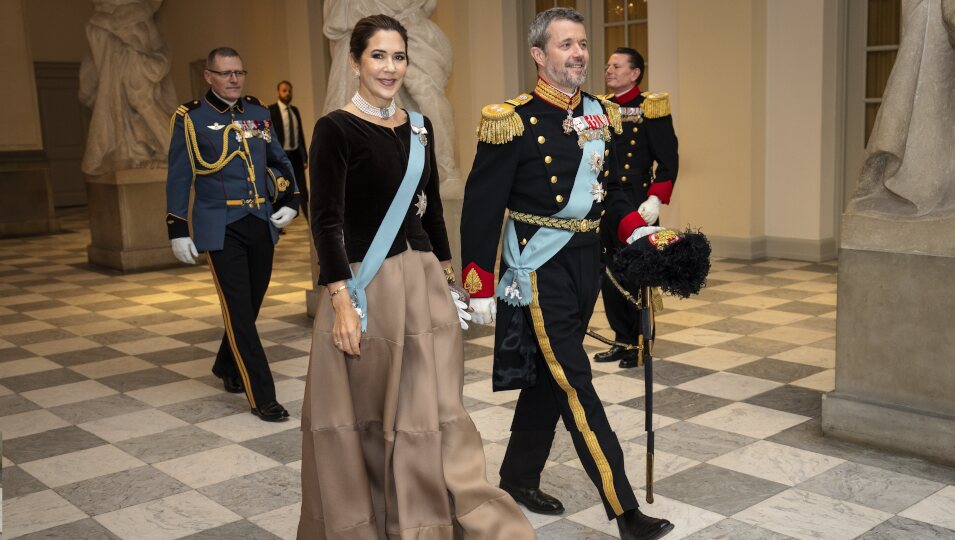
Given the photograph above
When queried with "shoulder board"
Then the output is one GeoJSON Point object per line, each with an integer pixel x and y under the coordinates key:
{"type": "Point", "coordinates": [604, 97]}
{"type": "Point", "coordinates": [186, 107]}
{"type": "Point", "coordinates": [254, 100]}
{"type": "Point", "coordinates": [655, 104]}
{"type": "Point", "coordinates": [181, 112]}
{"type": "Point", "coordinates": [499, 124]}
{"type": "Point", "coordinates": [613, 114]}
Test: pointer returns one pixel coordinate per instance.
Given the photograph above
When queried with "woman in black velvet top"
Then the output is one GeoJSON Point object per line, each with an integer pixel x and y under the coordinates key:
{"type": "Point", "coordinates": [387, 444]}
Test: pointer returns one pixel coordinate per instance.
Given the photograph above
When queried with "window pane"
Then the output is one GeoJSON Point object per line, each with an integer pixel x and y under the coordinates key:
{"type": "Point", "coordinates": [871, 109]}
{"type": "Point", "coordinates": [884, 22]}
{"type": "Point", "coordinates": [878, 66]}
{"type": "Point", "coordinates": [613, 38]}
{"type": "Point", "coordinates": [613, 11]}
{"type": "Point", "coordinates": [638, 38]}
{"type": "Point", "coordinates": [636, 9]}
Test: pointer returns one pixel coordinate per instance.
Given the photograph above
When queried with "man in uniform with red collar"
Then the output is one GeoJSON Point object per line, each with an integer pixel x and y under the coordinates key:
{"type": "Point", "coordinates": [546, 158]}
{"type": "Point", "coordinates": [647, 140]}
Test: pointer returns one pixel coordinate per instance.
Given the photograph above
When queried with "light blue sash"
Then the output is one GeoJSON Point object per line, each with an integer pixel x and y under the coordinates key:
{"type": "Point", "coordinates": [395, 216]}
{"type": "Point", "coordinates": [515, 285]}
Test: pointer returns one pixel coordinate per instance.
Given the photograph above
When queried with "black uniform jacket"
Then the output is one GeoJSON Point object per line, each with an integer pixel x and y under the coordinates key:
{"type": "Point", "coordinates": [648, 139]}
{"type": "Point", "coordinates": [533, 172]}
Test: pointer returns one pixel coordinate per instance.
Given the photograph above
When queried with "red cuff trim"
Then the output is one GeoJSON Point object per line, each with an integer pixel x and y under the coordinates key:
{"type": "Point", "coordinates": [478, 282]}
{"type": "Point", "coordinates": [629, 224]}
{"type": "Point", "coordinates": [662, 190]}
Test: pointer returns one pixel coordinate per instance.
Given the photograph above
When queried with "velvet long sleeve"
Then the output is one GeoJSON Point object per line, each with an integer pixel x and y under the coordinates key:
{"type": "Point", "coordinates": [355, 169]}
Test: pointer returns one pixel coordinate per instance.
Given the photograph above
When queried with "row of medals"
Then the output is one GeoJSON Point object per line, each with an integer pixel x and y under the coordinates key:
{"type": "Point", "coordinates": [590, 128]}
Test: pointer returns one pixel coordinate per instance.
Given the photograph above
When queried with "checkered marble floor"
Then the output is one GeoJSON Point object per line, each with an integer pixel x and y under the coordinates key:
{"type": "Point", "coordinates": [113, 426]}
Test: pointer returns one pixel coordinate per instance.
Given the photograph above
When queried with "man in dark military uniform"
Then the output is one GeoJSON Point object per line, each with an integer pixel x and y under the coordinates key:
{"type": "Point", "coordinates": [225, 148]}
{"type": "Point", "coordinates": [647, 165]}
{"type": "Point", "coordinates": [546, 158]}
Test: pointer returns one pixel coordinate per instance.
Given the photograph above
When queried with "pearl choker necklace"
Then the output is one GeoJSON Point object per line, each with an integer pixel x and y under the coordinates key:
{"type": "Point", "coordinates": [371, 110]}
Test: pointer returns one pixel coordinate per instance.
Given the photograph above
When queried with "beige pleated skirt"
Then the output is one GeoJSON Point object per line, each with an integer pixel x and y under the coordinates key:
{"type": "Point", "coordinates": [388, 450]}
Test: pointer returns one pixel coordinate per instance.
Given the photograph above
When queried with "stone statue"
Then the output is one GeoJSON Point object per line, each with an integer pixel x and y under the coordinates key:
{"type": "Point", "coordinates": [909, 170]}
{"type": "Point", "coordinates": [126, 82]}
{"type": "Point", "coordinates": [429, 55]}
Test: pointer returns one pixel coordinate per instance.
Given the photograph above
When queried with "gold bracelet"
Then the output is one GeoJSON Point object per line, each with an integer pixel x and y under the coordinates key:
{"type": "Point", "coordinates": [338, 290]}
{"type": "Point", "coordinates": [449, 275]}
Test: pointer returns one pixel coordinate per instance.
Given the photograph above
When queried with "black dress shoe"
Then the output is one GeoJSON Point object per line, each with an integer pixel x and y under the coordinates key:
{"type": "Point", "coordinates": [534, 499]}
{"type": "Point", "coordinates": [634, 525]}
{"type": "Point", "coordinates": [630, 361]}
{"type": "Point", "coordinates": [615, 353]}
{"type": "Point", "coordinates": [271, 412]}
{"type": "Point", "coordinates": [231, 383]}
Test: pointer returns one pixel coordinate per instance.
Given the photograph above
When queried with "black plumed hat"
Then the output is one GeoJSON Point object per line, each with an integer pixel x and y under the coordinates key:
{"type": "Point", "coordinates": [676, 262]}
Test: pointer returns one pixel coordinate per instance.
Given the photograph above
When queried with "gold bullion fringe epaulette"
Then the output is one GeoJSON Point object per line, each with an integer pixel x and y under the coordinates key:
{"type": "Point", "coordinates": [613, 114]}
{"type": "Point", "coordinates": [655, 105]}
{"type": "Point", "coordinates": [500, 123]}
{"type": "Point", "coordinates": [181, 111]}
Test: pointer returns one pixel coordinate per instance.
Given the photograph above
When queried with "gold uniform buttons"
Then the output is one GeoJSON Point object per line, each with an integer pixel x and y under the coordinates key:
{"type": "Point", "coordinates": [533, 119]}
{"type": "Point", "coordinates": [623, 178]}
{"type": "Point", "coordinates": [629, 154]}
{"type": "Point", "coordinates": [523, 241]}
{"type": "Point", "coordinates": [644, 185]}
{"type": "Point", "coordinates": [626, 166]}
{"type": "Point", "coordinates": [606, 152]}
{"type": "Point", "coordinates": [559, 198]}
{"type": "Point", "coordinates": [606, 174]}
{"type": "Point", "coordinates": [597, 230]}
{"type": "Point", "coordinates": [634, 129]}
{"type": "Point", "coordinates": [632, 142]}
{"type": "Point", "coordinates": [602, 212]}
{"type": "Point", "coordinates": [541, 140]}
{"type": "Point", "coordinates": [553, 179]}
{"type": "Point", "coordinates": [548, 160]}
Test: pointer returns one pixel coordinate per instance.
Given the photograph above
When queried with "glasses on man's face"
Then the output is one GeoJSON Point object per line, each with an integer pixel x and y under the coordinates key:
{"type": "Point", "coordinates": [238, 73]}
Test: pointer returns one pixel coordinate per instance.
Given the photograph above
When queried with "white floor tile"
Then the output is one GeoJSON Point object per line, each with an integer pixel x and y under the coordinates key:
{"type": "Point", "coordinates": [776, 462]}
{"type": "Point", "coordinates": [169, 518]}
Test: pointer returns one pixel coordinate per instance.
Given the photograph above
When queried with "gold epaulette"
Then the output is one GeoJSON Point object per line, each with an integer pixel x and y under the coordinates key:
{"type": "Point", "coordinates": [655, 104]}
{"type": "Point", "coordinates": [181, 111]}
{"type": "Point", "coordinates": [604, 97]}
{"type": "Point", "coordinates": [499, 123]}
{"type": "Point", "coordinates": [613, 114]}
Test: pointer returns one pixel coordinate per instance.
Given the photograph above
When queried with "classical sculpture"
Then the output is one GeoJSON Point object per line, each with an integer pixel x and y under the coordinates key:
{"type": "Point", "coordinates": [429, 53]}
{"type": "Point", "coordinates": [126, 82]}
{"type": "Point", "coordinates": [909, 171]}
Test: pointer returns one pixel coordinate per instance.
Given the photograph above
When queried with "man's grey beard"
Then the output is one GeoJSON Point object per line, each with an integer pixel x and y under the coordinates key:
{"type": "Point", "coordinates": [563, 77]}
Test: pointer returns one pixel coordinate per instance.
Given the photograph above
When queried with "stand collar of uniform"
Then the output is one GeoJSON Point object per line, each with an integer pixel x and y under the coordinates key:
{"type": "Point", "coordinates": [629, 95]}
{"type": "Point", "coordinates": [555, 97]}
{"type": "Point", "coordinates": [220, 104]}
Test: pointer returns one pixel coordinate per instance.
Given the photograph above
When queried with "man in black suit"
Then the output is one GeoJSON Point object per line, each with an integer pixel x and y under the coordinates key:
{"type": "Point", "coordinates": [288, 127]}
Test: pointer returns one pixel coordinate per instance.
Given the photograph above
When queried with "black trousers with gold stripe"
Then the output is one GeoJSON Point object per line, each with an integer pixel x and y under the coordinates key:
{"type": "Point", "coordinates": [241, 271]}
{"type": "Point", "coordinates": [565, 291]}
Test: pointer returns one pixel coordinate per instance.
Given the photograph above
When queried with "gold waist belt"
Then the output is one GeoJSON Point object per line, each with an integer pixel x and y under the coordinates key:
{"type": "Point", "coordinates": [572, 225]}
{"type": "Point", "coordinates": [243, 202]}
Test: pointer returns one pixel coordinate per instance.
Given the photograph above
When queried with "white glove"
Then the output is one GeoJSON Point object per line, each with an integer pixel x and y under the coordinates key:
{"type": "Point", "coordinates": [283, 217]}
{"type": "Point", "coordinates": [462, 307]}
{"type": "Point", "coordinates": [640, 232]}
{"type": "Point", "coordinates": [184, 250]}
{"type": "Point", "coordinates": [650, 209]}
{"type": "Point", "coordinates": [483, 310]}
